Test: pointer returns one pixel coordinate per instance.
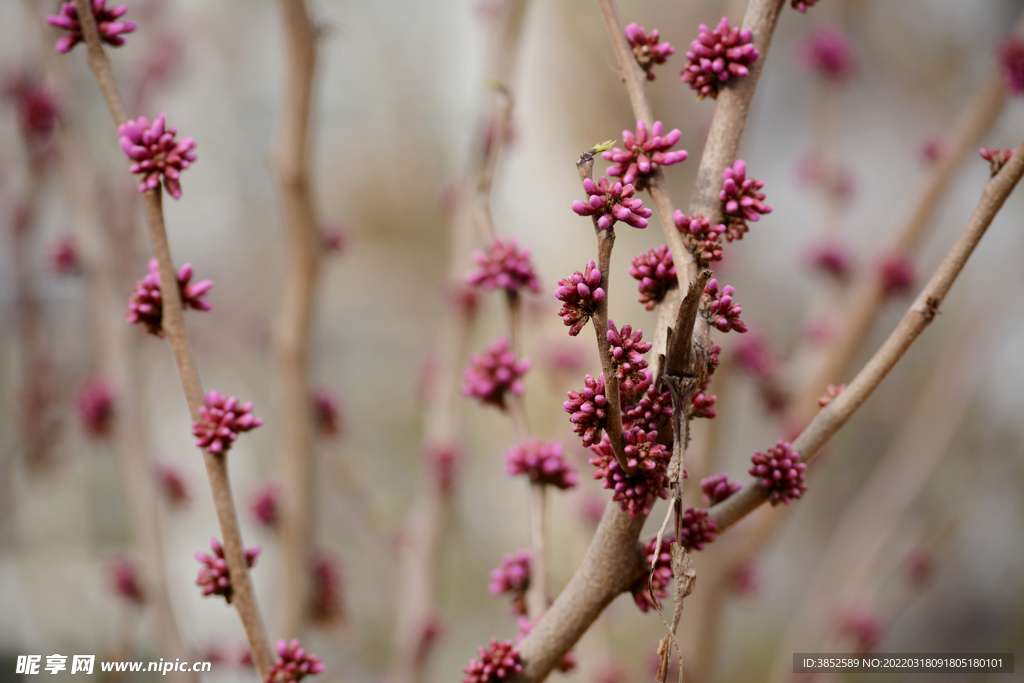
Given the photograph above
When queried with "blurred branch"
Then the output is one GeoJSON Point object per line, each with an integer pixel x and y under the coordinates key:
{"type": "Point", "coordinates": [177, 336]}
{"type": "Point", "coordinates": [920, 314]}
{"type": "Point", "coordinates": [418, 614]}
{"type": "Point", "coordinates": [867, 295]}
{"type": "Point", "coordinates": [294, 321]}
{"type": "Point", "coordinates": [869, 521]}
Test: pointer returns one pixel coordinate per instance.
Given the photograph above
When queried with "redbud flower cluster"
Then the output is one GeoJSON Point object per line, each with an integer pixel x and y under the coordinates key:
{"type": "Point", "coordinates": [644, 154]}
{"type": "Point", "coordinates": [660, 556]}
{"type": "Point", "coordinates": [504, 265]}
{"type": "Point", "coordinates": [626, 347]}
{"type": "Point", "coordinates": [647, 49]}
{"type": "Point", "coordinates": [742, 200]}
{"type": "Point", "coordinates": [718, 487]}
{"type": "Point", "coordinates": [215, 577]}
{"type": "Point", "coordinates": [656, 274]}
{"type": "Point", "coordinates": [781, 473]}
{"type": "Point", "coordinates": [703, 239]}
{"type": "Point", "coordinates": [580, 295]}
{"type": "Point", "coordinates": [495, 373]}
{"type": "Point", "coordinates": [497, 662]}
{"type": "Point", "coordinates": [716, 56]}
{"type": "Point", "coordinates": [156, 154]}
{"type": "Point", "coordinates": [721, 312]}
{"type": "Point", "coordinates": [221, 420]}
{"type": "Point", "coordinates": [542, 463]}
{"type": "Point", "coordinates": [107, 24]}
{"type": "Point", "coordinates": [146, 305]}
{"type": "Point", "coordinates": [610, 202]}
{"type": "Point", "coordinates": [293, 663]}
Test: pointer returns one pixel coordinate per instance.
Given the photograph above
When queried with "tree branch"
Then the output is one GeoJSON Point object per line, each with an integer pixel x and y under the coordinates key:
{"type": "Point", "coordinates": [295, 319]}
{"type": "Point", "coordinates": [177, 336]}
{"type": "Point", "coordinates": [920, 314]}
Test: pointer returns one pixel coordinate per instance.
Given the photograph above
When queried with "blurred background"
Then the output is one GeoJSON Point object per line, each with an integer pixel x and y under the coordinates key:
{"type": "Point", "coordinates": [930, 560]}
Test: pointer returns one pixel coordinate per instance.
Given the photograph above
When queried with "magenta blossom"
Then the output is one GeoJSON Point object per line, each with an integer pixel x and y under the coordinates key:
{"type": "Point", "coordinates": [610, 202]}
{"type": "Point", "coordinates": [221, 420]}
{"type": "Point", "coordinates": [107, 24]}
{"type": "Point", "coordinates": [896, 273]}
{"type": "Point", "coordinates": [325, 605]}
{"type": "Point", "coordinates": [635, 493]}
{"type": "Point", "coordinates": [587, 410]}
{"type": "Point", "coordinates": [703, 239]}
{"type": "Point", "coordinates": [146, 305]}
{"type": "Point", "coordinates": [626, 348]}
{"type": "Point", "coordinates": [802, 6]}
{"type": "Point", "coordinates": [721, 311]}
{"type": "Point", "coordinates": [647, 49]}
{"type": "Point", "coordinates": [172, 484]}
{"type": "Point", "coordinates": [697, 528]}
{"type": "Point", "coordinates": [832, 257]}
{"type": "Point", "coordinates": [504, 265]}
{"type": "Point", "coordinates": [650, 411]}
{"type": "Point", "coordinates": [542, 463]}
{"type": "Point", "coordinates": [95, 403]}
{"type": "Point", "coordinates": [443, 459]}
{"type": "Point", "coordinates": [644, 154]}
{"type": "Point", "coordinates": [703, 405]}
{"type": "Point", "coordinates": [1011, 55]}
{"type": "Point", "coordinates": [827, 52]}
{"type": "Point", "coordinates": [716, 56]}
{"type": "Point", "coordinates": [996, 158]}
{"type": "Point", "coordinates": [754, 356]}
{"type": "Point", "coordinates": [265, 506]}
{"type": "Point", "coordinates": [580, 295]}
{"type": "Point", "coordinates": [38, 110]}
{"type": "Point", "coordinates": [155, 153]}
{"type": "Point", "coordinates": [743, 202]}
{"type": "Point", "coordinates": [126, 580]}
{"type": "Point", "coordinates": [660, 556]}
{"type": "Point", "coordinates": [293, 663]}
{"type": "Point", "coordinates": [831, 392]}
{"type": "Point", "coordinates": [864, 626]}
{"type": "Point", "coordinates": [495, 373]}
{"type": "Point", "coordinates": [781, 473]}
{"type": "Point", "coordinates": [215, 577]}
{"type": "Point", "coordinates": [656, 274]}
{"type": "Point", "coordinates": [496, 663]}
{"type": "Point", "coordinates": [513, 577]}
{"type": "Point", "coordinates": [718, 487]}
{"type": "Point", "coordinates": [64, 258]}
{"type": "Point", "coordinates": [327, 412]}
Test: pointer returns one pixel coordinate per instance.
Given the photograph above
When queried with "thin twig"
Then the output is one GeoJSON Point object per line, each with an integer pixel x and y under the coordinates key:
{"type": "Point", "coordinates": [537, 593]}
{"type": "Point", "coordinates": [867, 295]}
{"type": "Point", "coordinates": [177, 336]}
{"type": "Point", "coordinates": [295, 320]}
{"type": "Point", "coordinates": [869, 521]}
{"type": "Point", "coordinates": [920, 314]}
{"type": "Point", "coordinates": [427, 521]}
